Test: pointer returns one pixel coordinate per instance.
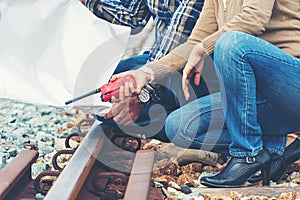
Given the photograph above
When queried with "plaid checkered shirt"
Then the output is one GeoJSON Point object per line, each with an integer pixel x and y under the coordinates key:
{"type": "Point", "coordinates": [173, 19]}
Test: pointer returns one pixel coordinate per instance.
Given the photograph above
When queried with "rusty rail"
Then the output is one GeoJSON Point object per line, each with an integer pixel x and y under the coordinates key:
{"type": "Point", "coordinates": [85, 177]}
{"type": "Point", "coordinates": [140, 176]}
{"type": "Point", "coordinates": [16, 176]}
{"type": "Point", "coordinates": [70, 181]}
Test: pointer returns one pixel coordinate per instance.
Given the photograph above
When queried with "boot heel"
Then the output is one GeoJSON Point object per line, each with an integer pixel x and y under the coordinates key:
{"type": "Point", "coordinates": [266, 174]}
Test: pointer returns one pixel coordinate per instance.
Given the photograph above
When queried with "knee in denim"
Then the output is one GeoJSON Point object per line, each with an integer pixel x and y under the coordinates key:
{"type": "Point", "coordinates": [229, 47]}
{"type": "Point", "coordinates": [172, 125]}
{"type": "Point", "coordinates": [226, 43]}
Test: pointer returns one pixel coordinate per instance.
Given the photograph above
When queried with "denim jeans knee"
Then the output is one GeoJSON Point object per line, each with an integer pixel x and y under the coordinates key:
{"type": "Point", "coordinates": [227, 43]}
{"type": "Point", "coordinates": [199, 125]}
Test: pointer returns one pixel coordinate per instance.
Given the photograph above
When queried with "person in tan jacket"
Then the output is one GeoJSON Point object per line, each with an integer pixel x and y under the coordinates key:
{"type": "Point", "coordinates": [256, 49]}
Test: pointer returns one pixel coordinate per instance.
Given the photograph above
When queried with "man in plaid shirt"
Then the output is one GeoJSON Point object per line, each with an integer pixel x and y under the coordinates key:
{"type": "Point", "coordinates": [174, 21]}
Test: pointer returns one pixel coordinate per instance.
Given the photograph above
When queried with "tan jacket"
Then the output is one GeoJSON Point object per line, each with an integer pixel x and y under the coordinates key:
{"type": "Point", "coordinates": [276, 21]}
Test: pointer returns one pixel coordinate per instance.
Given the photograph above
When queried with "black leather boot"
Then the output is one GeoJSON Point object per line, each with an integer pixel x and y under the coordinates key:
{"type": "Point", "coordinates": [280, 164]}
{"type": "Point", "coordinates": [238, 170]}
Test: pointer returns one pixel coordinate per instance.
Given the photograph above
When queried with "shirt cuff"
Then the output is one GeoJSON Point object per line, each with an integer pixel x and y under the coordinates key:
{"type": "Point", "coordinates": [148, 70]}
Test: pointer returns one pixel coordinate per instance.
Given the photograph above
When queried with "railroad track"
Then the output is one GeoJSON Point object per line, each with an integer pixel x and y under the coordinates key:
{"type": "Point", "coordinates": [98, 169]}
{"type": "Point", "coordinates": [92, 172]}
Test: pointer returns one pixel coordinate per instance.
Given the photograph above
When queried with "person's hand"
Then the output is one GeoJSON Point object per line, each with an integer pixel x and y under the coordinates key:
{"type": "Point", "coordinates": [126, 107]}
{"type": "Point", "coordinates": [194, 65]}
{"type": "Point", "coordinates": [125, 112]}
{"type": "Point", "coordinates": [128, 90]}
{"type": "Point", "coordinates": [82, 1]}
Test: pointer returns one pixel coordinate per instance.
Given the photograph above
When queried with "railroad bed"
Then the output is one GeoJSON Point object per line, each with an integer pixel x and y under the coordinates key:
{"type": "Point", "coordinates": [84, 177]}
{"type": "Point", "coordinates": [99, 169]}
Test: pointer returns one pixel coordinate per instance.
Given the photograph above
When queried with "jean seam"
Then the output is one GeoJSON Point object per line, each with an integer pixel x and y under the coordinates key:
{"type": "Point", "coordinates": [245, 116]}
{"type": "Point", "coordinates": [268, 56]}
{"type": "Point", "coordinates": [218, 145]}
{"type": "Point", "coordinates": [201, 143]}
{"type": "Point", "coordinates": [261, 101]}
{"type": "Point", "coordinates": [246, 85]}
{"type": "Point", "coordinates": [282, 148]}
{"type": "Point", "coordinates": [242, 154]}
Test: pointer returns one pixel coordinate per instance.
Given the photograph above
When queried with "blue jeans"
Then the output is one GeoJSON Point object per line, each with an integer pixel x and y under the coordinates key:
{"type": "Point", "coordinates": [153, 115]}
{"type": "Point", "coordinates": [258, 106]}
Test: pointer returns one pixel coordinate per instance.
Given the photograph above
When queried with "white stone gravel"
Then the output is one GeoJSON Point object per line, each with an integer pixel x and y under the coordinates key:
{"type": "Point", "coordinates": [44, 127]}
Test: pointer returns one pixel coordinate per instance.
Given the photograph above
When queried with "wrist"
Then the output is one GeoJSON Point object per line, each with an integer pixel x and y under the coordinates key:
{"type": "Point", "coordinates": [148, 94]}
{"type": "Point", "coordinates": [204, 52]}
{"type": "Point", "coordinates": [82, 1]}
{"type": "Point", "coordinates": [148, 72]}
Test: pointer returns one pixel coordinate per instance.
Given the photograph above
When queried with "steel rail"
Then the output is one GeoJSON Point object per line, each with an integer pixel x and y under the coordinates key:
{"type": "Point", "coordinates": [140, 176]}
{"type": "Point", "coordinates": [68, 184]}
{"type": "Point", "coordinates": [17, 174]}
